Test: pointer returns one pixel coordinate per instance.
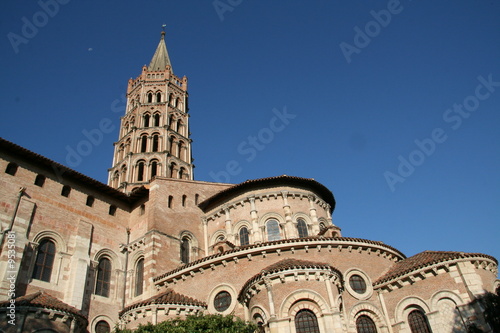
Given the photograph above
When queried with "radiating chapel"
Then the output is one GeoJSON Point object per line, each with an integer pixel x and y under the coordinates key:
{"type": "Point", "coordinates": [78, 255]}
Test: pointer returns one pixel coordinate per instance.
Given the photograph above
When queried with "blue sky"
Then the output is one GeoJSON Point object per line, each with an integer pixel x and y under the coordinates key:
{"type": "Point", "coordinates": [394, 106]}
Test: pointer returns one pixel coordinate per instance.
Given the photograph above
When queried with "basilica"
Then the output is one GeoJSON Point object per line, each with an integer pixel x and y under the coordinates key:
{"type": "Point", "coordinates": [153, 244]}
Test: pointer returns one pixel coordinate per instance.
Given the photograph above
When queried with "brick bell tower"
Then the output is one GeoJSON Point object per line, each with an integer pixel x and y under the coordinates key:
{"type": "Point", "coordinates": [154, 132]}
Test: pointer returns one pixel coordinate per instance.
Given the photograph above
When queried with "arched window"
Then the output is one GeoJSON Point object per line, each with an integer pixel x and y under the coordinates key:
{"type": "Point", "coordinates": [179, 126]}
{"type": "Point", "coordinates": [171, 99]}
{"type": "Point", "coordinates": [273, 230]}
{"type": "Point", "coordinates": [102, 327]}
{"type": "Point", "coordinates": [418, 322]}
{"type": "Point", "coordinates": [302, 228]}
{"type": "Point", "coordinates": [185, 250]}
{"type": "Point", "coordinates": [156, 142]}
{"type": "Point", "coordinates": [184, 197]}
{"type": "Point", "coordinates": [365, 324]}
{"type": "Point", "coordinates": [11, 169]}
{"type": "Point", "coordinates": [154, 168]}
{"type": "Point", "coordinates": [158, 97]}
{"type": "Point", "coordinates": [144, 143]}
{"type": "Point", "coordinates": [171, 145]}
{"type": "Point", "coordinates": [150, 97]}
{"type": "Point", "coordinates": [173, 167]}
{"type": "Point", "coordinates": [121, 150]}
{"type": "Point", "coordinates": [171, 122]}
{"type": "Point", "coordinates": [140, 171]}
{"type": "Point", "coordinates": [182, 172]}
{"type": "Point", "coordinates": [182, 149]}
{"type": "Point", "coordinates": [244, 236]}
{"type": "Point", "coordinates": [116, 179]}
{"type": "Point", "coordinates": [146, 118]}
{"type": "Point", "coordinates": [44, 260]}
{"type": "Point", "coordinates": [156, 118]}
{"type": "Point", "coordinates": [257, 318]}
{"type": "Point", "coordinates": [139, 277]}
{"type": "Point", "coordinates": [170, 201]}
{"type": "Point", "coordinates": [123, 173]}
{"type": "Point", "coordinates": [306, 322]}
{"type": "Point", "coordinates": [103, 280]}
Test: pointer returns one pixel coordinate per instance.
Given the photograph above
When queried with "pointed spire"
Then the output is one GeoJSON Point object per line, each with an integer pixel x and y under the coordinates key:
{"type": "Point", "coordinates": [160, 58]}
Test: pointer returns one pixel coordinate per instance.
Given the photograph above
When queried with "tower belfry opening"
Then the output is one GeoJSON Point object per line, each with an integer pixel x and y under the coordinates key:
{"type": "Point", "coordinates": [154, 132]}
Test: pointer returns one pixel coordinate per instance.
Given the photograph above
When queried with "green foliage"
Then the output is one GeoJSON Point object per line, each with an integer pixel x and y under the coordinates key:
{"type": "Point", "coordinates": [197, 324]}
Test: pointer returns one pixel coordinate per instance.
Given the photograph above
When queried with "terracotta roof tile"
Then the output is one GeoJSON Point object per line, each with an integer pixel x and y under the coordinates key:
{"type": "Point", "coordinates": [43, 300]}
{"type": "Point", "coordinates": [167, 297]}
{"type": "Point", "coordinates": [282, 180]}
{"type": "Point", "coordinates": [424, 259]}
{"type": "Point", "coordinates": [284, 242]}
{"type": "Point", "coordinates": [282, 265]}
{"type": "Point", "coordinates": [50, 165]}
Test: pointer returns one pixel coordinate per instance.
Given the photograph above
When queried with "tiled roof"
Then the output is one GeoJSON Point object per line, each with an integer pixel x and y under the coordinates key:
{"type": "Point", "coordinates": [43, 300]}
{"type": "Point", "coordinates": [50, 165]}
{"type": "Point", "coordinates": [283, 180]}
{"type": "Point", "coordinates": [423, 259]}
{"type": "Point", "coordinates": [292, 263]}
{"type": "Point", "coordinates": [284, 242]}
{"type": "Point", "coordinates": [167, 297]}
{"type": "Point", "coordinates": [285, 264]}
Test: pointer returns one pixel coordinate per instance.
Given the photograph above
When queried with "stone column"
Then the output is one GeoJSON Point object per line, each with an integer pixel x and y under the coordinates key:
{"type": "Point", "coordinates": [257, 235]}
{"type": "Point", "coordinates": [313, 215]}
{"type": "Point", "coordinates": [273, 324]}
{"type": "Point", "coordinates": [290, 230]}
{"type": "Point", "coordinates": [229, 224]}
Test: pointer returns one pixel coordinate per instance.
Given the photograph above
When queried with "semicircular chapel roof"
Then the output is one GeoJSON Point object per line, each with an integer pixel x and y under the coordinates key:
{"type": "Point", "coordinates": [41, 299]}
{"type": "Point", "coordinates": [287, 264]}
{"type": "Point", "coordinates": [424, 259]}
{"type": "Point", "coordinates": [167, 297]}
{"type": "Point", "coordinates": [254, 184]}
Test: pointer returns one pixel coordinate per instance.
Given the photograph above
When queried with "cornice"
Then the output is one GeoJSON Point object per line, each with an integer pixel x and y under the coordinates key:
{"type": "Point", "coordinates": [280, 247]}
{"type": "Point", "coordinates": [219, 211]}
{"type": "Point", "coordinates": [434, 269]}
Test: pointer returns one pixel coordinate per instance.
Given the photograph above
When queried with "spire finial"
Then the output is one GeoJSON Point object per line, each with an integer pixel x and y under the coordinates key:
{"type": "Point", "coordinates": [163, 30]}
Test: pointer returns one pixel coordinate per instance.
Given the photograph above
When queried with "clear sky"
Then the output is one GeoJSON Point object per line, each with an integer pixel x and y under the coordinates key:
{"type": "Point", "coordinates": [393, 105]}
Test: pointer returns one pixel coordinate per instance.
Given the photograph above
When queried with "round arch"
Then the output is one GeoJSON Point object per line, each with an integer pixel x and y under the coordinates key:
{"type": "Point", "coordinates": [436, 297]}
{"type": "Point", "coordinates": [98, 318]}
{"type": "Point", "coordinates": [61, 245]}
{"type": "Point", "coordinates": [367, 309]}
{"type": "Point", "coordinates": [290, 305]}
{"type": "Point", "coordinates": [110, 254]}
{"type": "Point", "coordinates": [401, 311]}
